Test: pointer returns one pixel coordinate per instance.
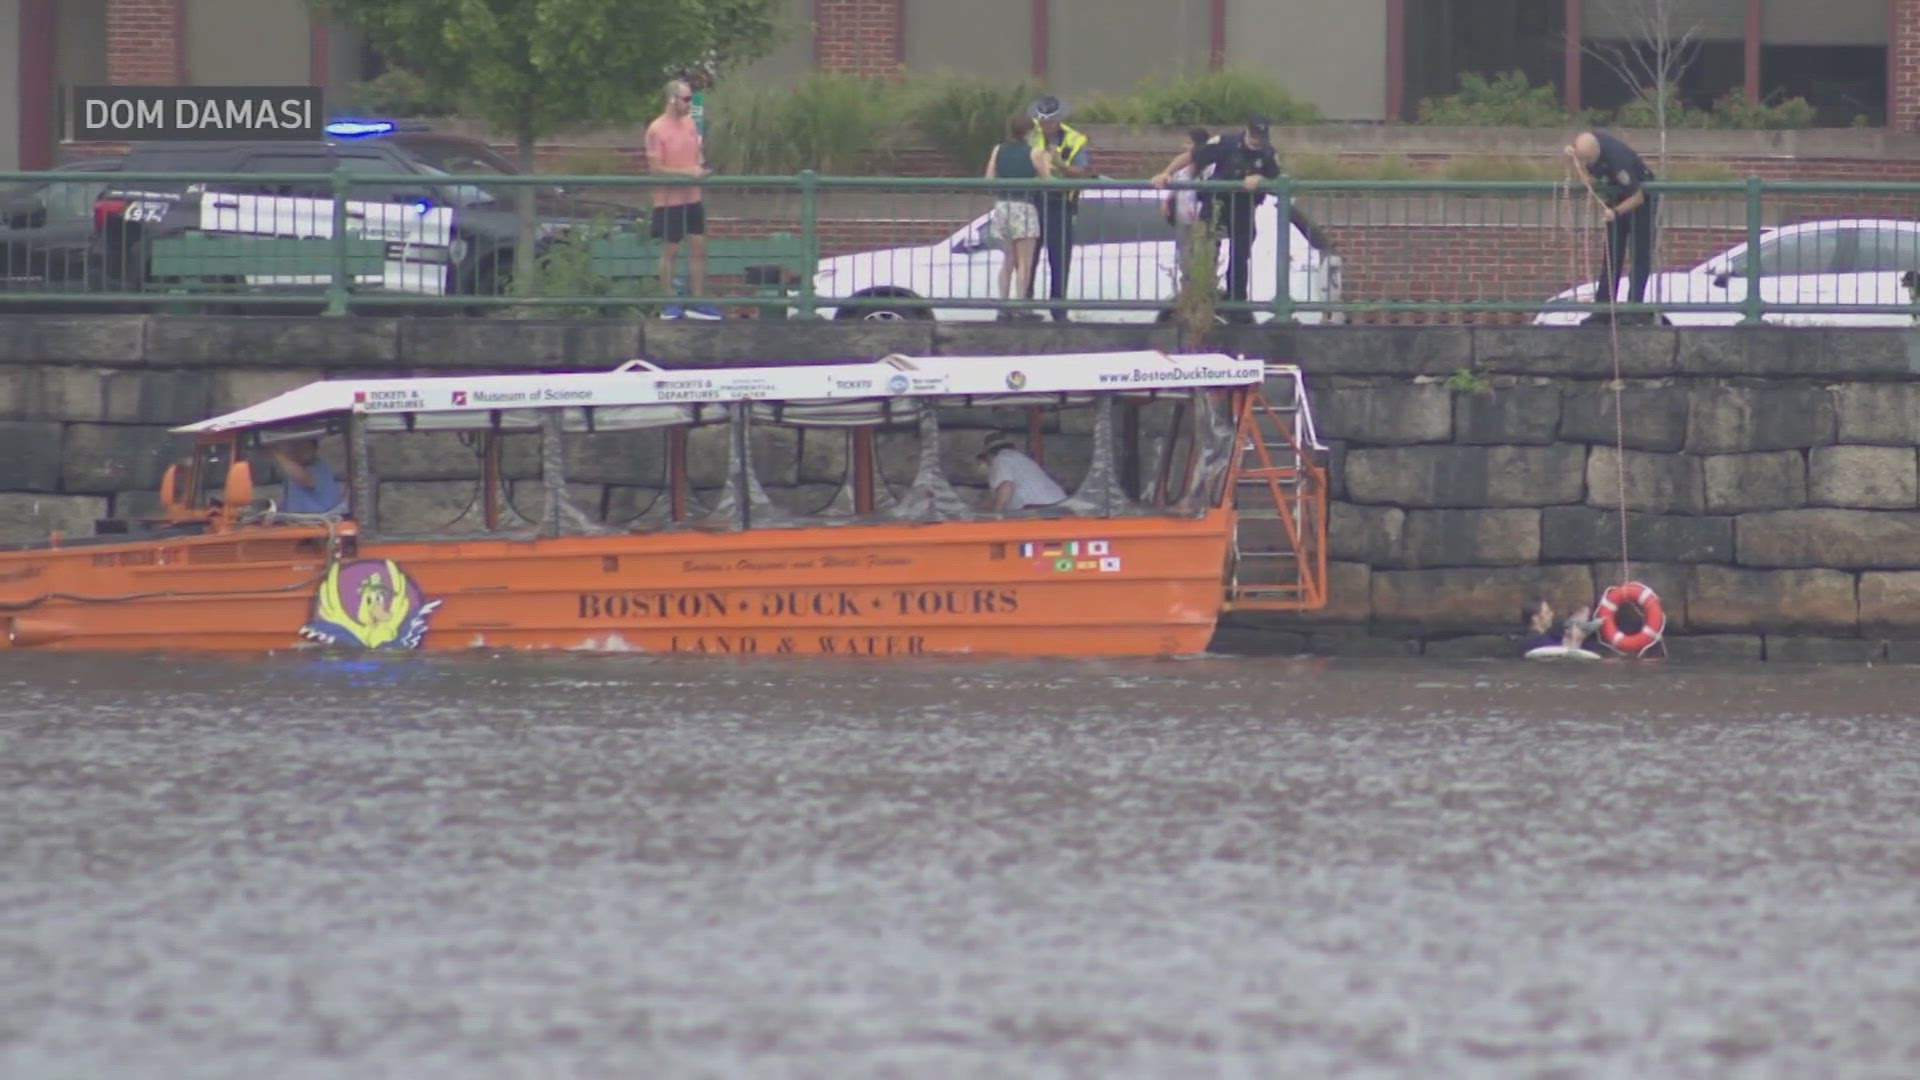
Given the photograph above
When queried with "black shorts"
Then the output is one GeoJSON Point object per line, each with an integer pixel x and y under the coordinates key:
{"type": "Point", "coordinates": [670, 223]}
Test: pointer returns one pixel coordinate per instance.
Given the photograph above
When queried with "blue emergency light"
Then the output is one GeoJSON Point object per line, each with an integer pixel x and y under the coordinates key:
{"type": "Point", "coordinates": [361, 129]}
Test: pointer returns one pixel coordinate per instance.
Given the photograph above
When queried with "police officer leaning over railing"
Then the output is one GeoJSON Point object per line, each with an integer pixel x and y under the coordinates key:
{"type": "Point", "coordinates": [1249, 158]}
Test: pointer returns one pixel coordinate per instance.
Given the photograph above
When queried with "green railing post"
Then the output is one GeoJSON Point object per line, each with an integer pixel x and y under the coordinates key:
{"type": "Point", "coordinates": [1283, 275]}
{"type": "Point", "coordinates": [809, 241]}
{"type": "Point", "coordinates": [337, 282]}
{"type": "Point", "coordinates": [1753, 305]}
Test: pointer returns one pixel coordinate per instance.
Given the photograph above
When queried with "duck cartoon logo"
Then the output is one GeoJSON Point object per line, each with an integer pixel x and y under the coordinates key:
{"type": "Point", "coordinates": [369, 604]}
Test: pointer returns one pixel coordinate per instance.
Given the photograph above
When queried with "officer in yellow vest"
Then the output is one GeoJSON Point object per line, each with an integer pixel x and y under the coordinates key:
{"type": "Point", "coordinates": [1068, 149]}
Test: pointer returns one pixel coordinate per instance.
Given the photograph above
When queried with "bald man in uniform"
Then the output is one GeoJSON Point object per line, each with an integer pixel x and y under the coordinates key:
{"type": "Point", "coordinates": [1616, 174]}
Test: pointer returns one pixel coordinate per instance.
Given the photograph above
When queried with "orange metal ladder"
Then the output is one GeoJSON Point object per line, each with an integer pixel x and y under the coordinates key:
{"type": "Point", "coordinates": [1279, 559]}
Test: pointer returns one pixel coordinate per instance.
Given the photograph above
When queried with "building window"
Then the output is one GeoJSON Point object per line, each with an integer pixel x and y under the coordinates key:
{"type": "Point", "coordinates": [1716, 67]}
{"type": "Point", "coordinates": [1841, 82]}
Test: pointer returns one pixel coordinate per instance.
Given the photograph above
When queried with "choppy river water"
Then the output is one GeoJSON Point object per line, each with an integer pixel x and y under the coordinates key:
{"type": "Point", "coordinates": [630, 867]}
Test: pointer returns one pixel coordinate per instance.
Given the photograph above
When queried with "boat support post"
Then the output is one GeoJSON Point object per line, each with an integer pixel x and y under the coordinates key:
{"type": "Point", "coordinates": [360, 476]}
{"type": "Point", "coordinates": [553, 470]}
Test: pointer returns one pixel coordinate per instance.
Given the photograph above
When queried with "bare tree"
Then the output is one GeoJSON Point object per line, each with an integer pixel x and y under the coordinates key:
{"type": "Point", "coordinates": [1660, 46]}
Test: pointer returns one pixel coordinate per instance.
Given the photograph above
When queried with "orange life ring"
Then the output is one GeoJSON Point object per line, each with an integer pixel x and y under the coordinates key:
{"type": "Point", "coordinates": [1652, 627]}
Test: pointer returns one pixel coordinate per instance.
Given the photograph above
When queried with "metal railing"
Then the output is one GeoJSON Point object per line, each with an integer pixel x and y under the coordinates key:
{"type": "Point", "coordinates": [811, 246]}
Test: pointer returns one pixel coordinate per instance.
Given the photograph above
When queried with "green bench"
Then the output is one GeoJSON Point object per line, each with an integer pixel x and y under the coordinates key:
{"type": "Point", "coordinates": [770, 265]}
{"type": "Point", "coordinates": [224, 263]}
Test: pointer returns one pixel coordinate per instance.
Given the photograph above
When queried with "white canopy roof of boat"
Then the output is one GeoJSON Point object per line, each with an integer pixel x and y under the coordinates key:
{"type": "Point", "coordinates": [638, 394]}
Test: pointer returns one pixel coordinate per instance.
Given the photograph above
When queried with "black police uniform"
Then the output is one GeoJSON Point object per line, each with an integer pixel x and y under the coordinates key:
{"type": "Point", "coordinates": [1228, 157]}
{"type": "Point", "coordinates": [1617, 173]}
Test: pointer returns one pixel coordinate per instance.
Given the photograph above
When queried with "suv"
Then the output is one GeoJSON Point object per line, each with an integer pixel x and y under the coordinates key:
{"type": "Point", "coordinates": [441, 237]}
{"type": "Point", "coordinates": [46, 229]}
{"type": "Point", "coordinates": [460, 155]}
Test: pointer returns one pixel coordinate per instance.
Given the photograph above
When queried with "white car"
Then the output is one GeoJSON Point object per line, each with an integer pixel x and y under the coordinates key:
{"type": "Point", "coordinates": [1830, 263]}
{"type": "Point", "coordinates": [1124, 250]}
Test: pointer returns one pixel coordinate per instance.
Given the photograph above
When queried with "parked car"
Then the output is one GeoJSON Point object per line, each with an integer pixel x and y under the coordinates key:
{"type": "Point", "coordinates": [461, 155]}
{"type": "Point", "coordinates": [1124, 249]}
{"type": "Point", "coordinates": [46, 230]}
{"type": "Point", "coordinates": [1835, 263]}
{"type": "Point", "coordinates": [442, 237]}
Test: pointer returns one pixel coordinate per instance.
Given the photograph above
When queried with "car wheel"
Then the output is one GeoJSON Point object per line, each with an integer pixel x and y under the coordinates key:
{"type": "Point", "coordinates": [909, 310]}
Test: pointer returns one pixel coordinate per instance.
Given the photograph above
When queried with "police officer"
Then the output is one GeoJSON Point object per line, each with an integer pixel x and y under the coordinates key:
{"type": "Point", "coordinates": [1247, 157]}
{"type": "Point", "coordinates": [1615, 174]}
{"type": "Point", "coordinates": [1067, 148]}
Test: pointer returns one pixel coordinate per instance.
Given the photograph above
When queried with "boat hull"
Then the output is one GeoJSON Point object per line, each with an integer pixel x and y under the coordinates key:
{"type": "Point", "coordinates": [1051, 587]}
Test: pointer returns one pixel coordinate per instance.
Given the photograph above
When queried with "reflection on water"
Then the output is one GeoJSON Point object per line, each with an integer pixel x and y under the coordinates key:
{"type": "Point", "coordinates": [625, 867]}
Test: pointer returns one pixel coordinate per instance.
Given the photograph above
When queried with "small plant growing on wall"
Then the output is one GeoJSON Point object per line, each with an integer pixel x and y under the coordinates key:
{"type": "Point", "coordinates": [1468, 381]}
{"type": "Point", "coordinates": [1196, 301]}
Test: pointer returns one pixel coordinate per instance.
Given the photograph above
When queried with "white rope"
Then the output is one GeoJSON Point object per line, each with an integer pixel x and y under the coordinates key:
{"type": "Point", "coordinates": [1611, 283]}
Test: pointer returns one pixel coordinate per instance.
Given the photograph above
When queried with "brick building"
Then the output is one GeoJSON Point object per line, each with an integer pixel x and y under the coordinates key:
{"type": "Point", "coordinates": [1356, 59]}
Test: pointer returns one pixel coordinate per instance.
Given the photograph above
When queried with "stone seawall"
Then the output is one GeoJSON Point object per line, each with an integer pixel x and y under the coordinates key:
{"type": "Point", "coordinates": [1771, 475]}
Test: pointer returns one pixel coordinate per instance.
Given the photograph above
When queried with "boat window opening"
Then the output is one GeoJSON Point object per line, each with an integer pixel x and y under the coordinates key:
{"type": "Point", "coordinates": [432, 483]}
{"type": "Point", "coordinates": [1165, 442]}
{"type": "Point", "coordinates": [270, 482]}
{"type": "Point", "coordinates": [619, 479]}
{"type": "Point", "coordinates": [208, 482]}
{"type": "Point", "coordinates": [1216, 416]}
{"type": "Point", "coordinates": [930, 495]}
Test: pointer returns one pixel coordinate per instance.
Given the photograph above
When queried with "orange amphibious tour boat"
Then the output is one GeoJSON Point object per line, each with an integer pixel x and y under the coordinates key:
{"type": "Point", "coordinates": [818, 509]}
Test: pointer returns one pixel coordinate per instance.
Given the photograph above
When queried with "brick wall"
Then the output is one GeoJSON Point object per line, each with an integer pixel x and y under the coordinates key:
{"type": "Point", "coordinates": [1905, 58]}
{"type": "Point", "coordinates": [859, 37]}
{"type": "Point", "coordinates": [1513, 264]}
{"type": "Point", "coordinates": [146, 42]}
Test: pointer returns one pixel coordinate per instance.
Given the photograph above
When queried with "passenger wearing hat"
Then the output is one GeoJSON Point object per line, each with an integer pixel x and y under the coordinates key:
{"type": "Point", "coordinates": [1066, 148]}
{"type": "Point", "coordinates": [1014, 480]}
{"type": "Point", "coordinates": [1247, 157]}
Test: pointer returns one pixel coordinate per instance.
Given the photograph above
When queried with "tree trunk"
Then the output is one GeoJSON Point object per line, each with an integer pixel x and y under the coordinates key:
{"type": "Point", "coordinates": [1663, 64]}
{"type": "Point", "coordinates": [1660, 120]}
{"type": "Point", "coordinates": [525, 257]}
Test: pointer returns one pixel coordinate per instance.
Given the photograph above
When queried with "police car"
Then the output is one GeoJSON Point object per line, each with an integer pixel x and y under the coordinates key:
{"type": "Point", "coordinates": [441, 237]}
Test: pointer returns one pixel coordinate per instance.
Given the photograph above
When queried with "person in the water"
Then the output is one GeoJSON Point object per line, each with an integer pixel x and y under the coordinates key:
{"type": "Point", "coordinates": [1537, 617]}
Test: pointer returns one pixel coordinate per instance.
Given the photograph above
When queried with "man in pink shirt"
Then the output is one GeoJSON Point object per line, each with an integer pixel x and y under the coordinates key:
{"type": "Point", "coordinates": [674, 149]}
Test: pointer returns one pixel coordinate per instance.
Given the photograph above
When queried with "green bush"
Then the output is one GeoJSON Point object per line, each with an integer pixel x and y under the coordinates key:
{"type": "Point", "coordinates": [965, 117]}
{"type": "Point", "coordinates": [565, 268]}
{"type": "Point", "coordinates": [1507, 100]}
{"type": "Point", "coordinates": [827, 123]}
{"type": "Point", "coordinates": [398, 92]}
{"type": "Point", "coordinates": [1216, 97]}
{"type": "Point", "coordinates": [1733, 111]}
{"type": "Point", "coordinates": [1107, 109]}
{"type": "Point", "coordinates": [1641, 113]}
{"type": "Point", "coordinates": [1730, 111]}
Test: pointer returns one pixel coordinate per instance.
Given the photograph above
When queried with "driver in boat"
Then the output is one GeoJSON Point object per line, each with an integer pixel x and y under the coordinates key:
{"type": "Point", "coordinates": [1538, 617]}
{"type": "Point", "coordinates": [1014, 480]}
{"type": "Point", "coordinates": [312, 486]}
